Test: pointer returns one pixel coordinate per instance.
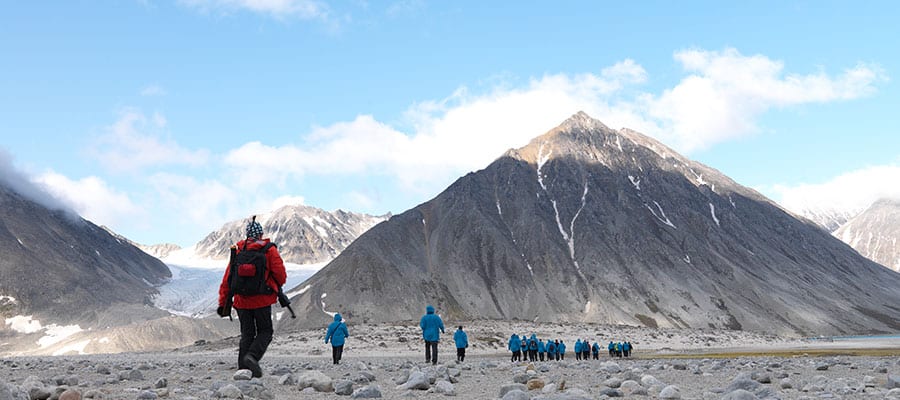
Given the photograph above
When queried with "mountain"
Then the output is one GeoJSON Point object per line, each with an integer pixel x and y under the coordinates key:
{"type": "Point", "coordinates": [160, 251]}
{"type": "Point", "coordinates": [304, 235]}
{"type": "Point", "coordinates": [586, 223]}
{"type": "Point", "coordinates": [59, 267]}
{"type": "Point", "coordinates": [875, 233]}
{"type": "Point", "coordinates": [829, 219]}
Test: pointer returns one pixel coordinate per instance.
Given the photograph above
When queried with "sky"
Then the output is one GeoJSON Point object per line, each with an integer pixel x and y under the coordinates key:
{"type": "Point", "coordinates": [164, 119]}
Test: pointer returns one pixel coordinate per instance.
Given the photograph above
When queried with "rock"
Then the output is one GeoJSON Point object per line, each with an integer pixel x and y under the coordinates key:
{"type": "Point", "coordinates": [649, 381]}
{"type": "Point", "coordinates": [364, 377]}
{"type": "Point", "coordinates": [670, 392]}
{"type": "Point", "coordinates": [521, 378]}
{"type": "Point", "coordinates": [742, 382]}
{"type": "Point", "coordinates": [161, 383]}
{"type": "Point", "coordinates": [739, 394]}
{"type": "Point", "coordinates": [316, 380]}
{"type": "Point", "coordinates": [610, 392]}
{"type": "Point", "coordinates": [516, 395]}
{"type": "Point", "coordinates": [534, 384]}
{"type": "Point", "coordinates": [786, 383]}
{"type": "Point", "coordinates": [417, 380]}
{"type": "Point", "coordinates": [610, 367]}
{"type": "Point", "coordinates": [282, 371]}
{"type": "Point", "coordinates": [242, 375]}
{"type": "Point", "coordinates": [893, 382]}
{"type": "Point", "coordinates": [614, 383]}
{"type": "Point", "coordinates": [343, 387]}
{"type": "Point", "coordinates": [822, 367]}
{"type": "Point", "coordinates": [70, 394]}
{"type": "Point", "coordinates": [287, 380]}
{"type": "Point", "coordinates": [869, 381]}
{"type": "Point", "coordinates": [103, 370]}
{"type": "Point", "coordinates": [229, 392]}
{"type": "Point", "coordinates": [151, 395]}
{"type": "Point", "coordinates": [510, 387]}
{"type": "Point", "coordinates": [367, 392]}
{"type": "Point", "coordinates": [93, 394]}
{"type": "Point", "coordinates": [633, 388]}
{"type": "Point", "coordinates": [445, 388]}
{"type": "Point", "coordinates": [763, 378]}
{"type": "Point", "coordinates": [679, 366]}
{"type": "Point", "coordinates": [12, 392]}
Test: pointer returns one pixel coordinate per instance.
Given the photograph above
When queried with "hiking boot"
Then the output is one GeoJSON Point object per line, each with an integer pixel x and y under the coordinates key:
{"type": "Point", "coordinates": [253, 365]}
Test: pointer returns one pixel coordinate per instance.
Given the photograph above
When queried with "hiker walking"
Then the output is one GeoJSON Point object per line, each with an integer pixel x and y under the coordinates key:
{"type": "Point", "coordinates": [251, 284]}
{"type": "Point", "coordinates": [337, 332]}
{"type": "Point", "coordinates": [462, 341]}
{"type": "Point", "coordinates": [432, 327]}
{"type": "Point", "coordinates": [515, 345]}
{"type": "Point", "coordinates": [595, 349]}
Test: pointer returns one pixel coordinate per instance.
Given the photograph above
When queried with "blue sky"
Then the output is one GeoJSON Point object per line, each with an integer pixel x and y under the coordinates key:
{"type": "Point", "coordinates": [163, 119]}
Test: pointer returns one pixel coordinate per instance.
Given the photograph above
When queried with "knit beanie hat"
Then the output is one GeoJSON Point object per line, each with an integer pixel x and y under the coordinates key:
{"type": "Point", "coordinates": [254, 229]}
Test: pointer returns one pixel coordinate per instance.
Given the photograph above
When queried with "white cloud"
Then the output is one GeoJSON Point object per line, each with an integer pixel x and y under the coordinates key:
{"type": "Point", "coordinates": [360, 200]}
{"type": "Point", "coordinates": [304, 9]}
{"type": "Point", "coordinates": [849, 193]}
{"type": "Point", "coordinates": [287, 201]}
{"type": "Point", "coordinates": [132, 143]}
{"type": "Point", "coordinates": [93, 199]}
{"type": "Point", "coordinates": [153, 90]}
{"type": "Point", "coordinates": [726, 92]}
{"type": "Point", "coordinates": [721, 97]}
{"type": "Point", "coordinates": [20, 183]}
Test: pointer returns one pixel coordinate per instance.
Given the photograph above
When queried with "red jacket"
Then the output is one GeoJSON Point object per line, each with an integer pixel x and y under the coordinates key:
{"type": "Point", "coordinates": [275, 277]}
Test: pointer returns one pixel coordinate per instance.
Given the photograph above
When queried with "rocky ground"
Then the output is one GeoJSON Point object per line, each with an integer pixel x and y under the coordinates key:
{"type": "Point", "coordinates": [386, 362]}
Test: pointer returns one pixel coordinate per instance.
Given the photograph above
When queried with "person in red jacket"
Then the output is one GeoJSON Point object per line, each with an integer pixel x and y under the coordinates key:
{"type": "Point", "coordinates": [255, 311]}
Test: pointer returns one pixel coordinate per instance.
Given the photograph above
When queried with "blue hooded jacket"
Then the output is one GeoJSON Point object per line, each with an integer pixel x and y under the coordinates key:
{"type": "Point", "coordinates": [551, 347]}
{"type": "Point", "coordinates": [596, 348]}
{"type": "Point", "coordinates": [432, 325]}
{"type": "Point", "coordinates": [533, 342]}
{"type": "Point", "coordinates": [515, 344]}
{"type": "Point", "coordinates": [542, 348]}
{"type": "Point", "coordinates": [578, 346]}
{"type": "Point", "coordinates": [561, 349]}
{"type": "Point", "coordinates": [337, 331]}
{"type": "Point", "coordinates": [461, 339]}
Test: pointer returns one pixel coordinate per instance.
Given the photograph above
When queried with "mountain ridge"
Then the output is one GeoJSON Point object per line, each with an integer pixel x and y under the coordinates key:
{"type": "Point", "coordinates": [621, 230]}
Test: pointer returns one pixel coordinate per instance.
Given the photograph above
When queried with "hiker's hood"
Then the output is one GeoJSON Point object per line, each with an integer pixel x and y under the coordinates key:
{"type": "Point", "coordinates": [429, 309]}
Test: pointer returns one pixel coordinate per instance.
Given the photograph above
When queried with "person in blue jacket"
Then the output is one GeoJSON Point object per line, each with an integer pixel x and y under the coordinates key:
{"type": "Point", "coordinates": [432, 327]}
{"type": "Point", "coordinates": [596, 350]}
{"type": "Point", "coordinates": [578, 349]}
{"type": "Point", "coordinates": [612, 349]}
{"type": "Point", "coordinates": [515, 346]}
{"type": "Point", "coordinates": [532, 348]}
{"type": "Point", "coordinates": [336, 333]}
{"type": "Point", "coordinates": [462, 341]}
{"type": "Point", "coordinates": [561, 349]}
{"type": "Point", "coordinates": [542, 349]}
{"type": "Point", "coordinates": [551, 350]}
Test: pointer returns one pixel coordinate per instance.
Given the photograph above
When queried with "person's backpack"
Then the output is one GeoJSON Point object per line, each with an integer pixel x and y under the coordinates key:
{"type": "Point", "coordinates": [249, 271]}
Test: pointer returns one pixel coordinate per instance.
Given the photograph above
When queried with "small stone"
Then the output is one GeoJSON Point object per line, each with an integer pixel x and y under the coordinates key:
{"type": "Point", "coordinates": [610, 392]}
{"type": "Point", "coordinates": [316, 380]}
{"type": "Point", "coordinates": [445, 388]}
{"type": "Point", "coordinates": [821, 367]}
{"type": "Point", "coordinates": [367, 392]}
{"type": "Point", "coordinates": [786, 383]}
{"type": "Point", "coordinates": [510, 387]}
{"type": "Point", "coordinates": [343, 387]}
{"type": "Point", "coordinates": [70, 394]}
{"type": "Point", "coordinates": [161, 383]}
{"type": "Point", "coordinates": [521, 378]}
{"type": "Point", "coordinates": [614, 383]}
{"type": "Point", "coordinates": [417, 380]}
{"type": "Point", "coordinates": [740, 394]}
{"type": "Point", "coordinates": [534, 384]}
{"type": "Point", "coordinates": [148, 395]}
{"type": "Point", "coordinates": [670, 392]}
{"type": "Point", "coordinates": [893, 382]}
{"type": "Point", "coordinates": [228, 391]}
{"type": "Point", "coordinates": [516, 395]}
{"type": "Point", "coordinates": [242, 375]}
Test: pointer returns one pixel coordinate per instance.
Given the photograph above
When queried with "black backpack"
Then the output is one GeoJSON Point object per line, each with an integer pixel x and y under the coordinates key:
{"type": "Point", "coordinates": [249, 271]}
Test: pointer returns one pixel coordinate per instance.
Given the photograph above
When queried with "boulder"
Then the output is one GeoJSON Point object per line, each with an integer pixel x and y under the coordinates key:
{"type": "Point", "coordinates": [670, 392]}
{"type": "Point", "coordinates": [316, 380]}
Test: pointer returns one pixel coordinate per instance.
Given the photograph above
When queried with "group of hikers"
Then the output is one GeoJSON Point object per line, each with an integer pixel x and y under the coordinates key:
{"type": "Point", "coordinates": [253, 282]}
{"type": "Point", "coordinates": [532, 349]}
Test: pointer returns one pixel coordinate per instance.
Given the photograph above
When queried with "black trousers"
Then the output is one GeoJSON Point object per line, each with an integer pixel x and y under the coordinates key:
{"type": "Point", "coordinates": [460, 354]}
{"type": "Point", "coordinates": [336, 353]}
{"type": "Point", "coordinates": [256, 333]}
{"type": "Point", "coordinates": [431, 352]}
